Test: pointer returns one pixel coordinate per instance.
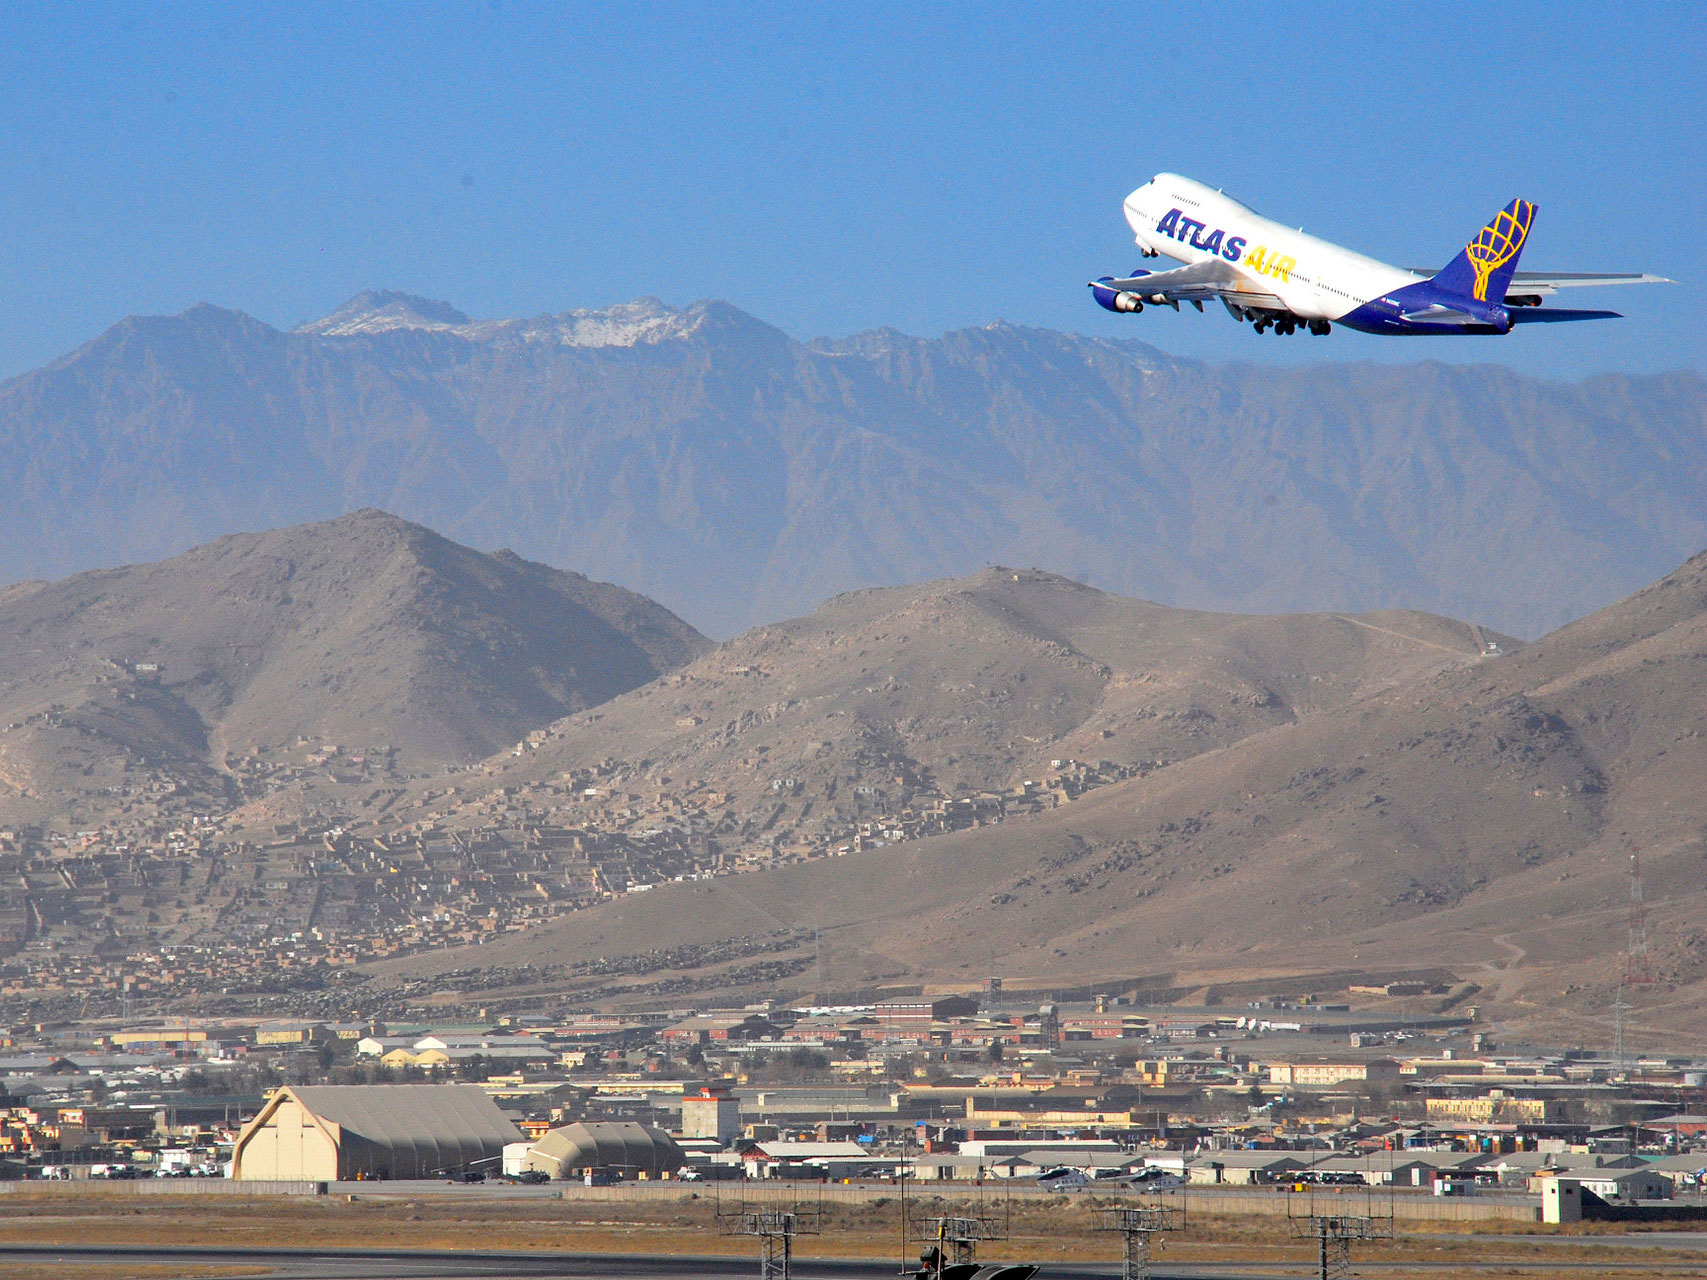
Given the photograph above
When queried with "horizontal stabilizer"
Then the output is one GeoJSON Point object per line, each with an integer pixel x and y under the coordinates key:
{"type": "Point", "coordinates": [1558, 315]}
{"type": "Point", "coordinates": [1440, 315]}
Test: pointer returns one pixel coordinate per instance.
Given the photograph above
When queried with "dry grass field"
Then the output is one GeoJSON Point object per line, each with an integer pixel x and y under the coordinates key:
{"type": "Point", "coordinates": [1058, 1229]}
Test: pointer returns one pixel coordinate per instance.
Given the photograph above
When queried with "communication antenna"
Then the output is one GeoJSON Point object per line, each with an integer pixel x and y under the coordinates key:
{"type": "Point", "coordinates": [774, 1227]}
{"type": "Point", "coordinates": [951, 1246]}
{"type": "Point", "coordinates": [1619, 1005]}
{"type": "Point", "coordinates": [1638, 970]}
{"type": "Point", "coordinates": [1335, 1233]}
{"type": "Point", "coordinates": [1140, 1229]}
{"type": "Point", "coordinates": [1638, 967]}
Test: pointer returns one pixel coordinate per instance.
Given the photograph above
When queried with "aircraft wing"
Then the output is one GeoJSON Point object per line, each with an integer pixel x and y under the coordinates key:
{"type": "Point", "coordinates": [1535, 284]}
{"type": "Point", "coordinates": [1197, 283]}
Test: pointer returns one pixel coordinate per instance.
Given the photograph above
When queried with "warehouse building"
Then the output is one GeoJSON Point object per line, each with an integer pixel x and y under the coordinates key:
{"type": "Point", "coordinates": [329, 1133]}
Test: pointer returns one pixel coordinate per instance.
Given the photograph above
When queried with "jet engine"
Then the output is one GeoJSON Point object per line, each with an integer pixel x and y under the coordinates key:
{"type": "Point", "coordinates": [1116, 299]}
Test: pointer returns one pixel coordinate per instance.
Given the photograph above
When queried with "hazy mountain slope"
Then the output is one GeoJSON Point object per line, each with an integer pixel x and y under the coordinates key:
{"type": "Point", "coordinates": [706, 459]}
{"type": "Point", "coordinates": [363, 631]}
{"type": "Point", "coordinates": [1479, 818]}
{"type": "Point", "coordinates": [884, 696]}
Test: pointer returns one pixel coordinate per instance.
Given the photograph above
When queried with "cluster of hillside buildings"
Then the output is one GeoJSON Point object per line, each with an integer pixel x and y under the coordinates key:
{"type": "Point", "coordinates": [155, 904]}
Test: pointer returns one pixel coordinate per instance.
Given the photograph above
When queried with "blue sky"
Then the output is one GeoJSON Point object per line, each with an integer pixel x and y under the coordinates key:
{"type": "Point", "coordinates": [832, 168]}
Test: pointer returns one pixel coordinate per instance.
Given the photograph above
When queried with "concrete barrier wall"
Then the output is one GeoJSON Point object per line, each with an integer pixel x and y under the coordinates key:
{"type": "Point", "coordinates": [1265, 1202]}
{"type": "Point", "coordinates": [122, 1187]}
{"type": "Point", "coordinates": [931, 1197]}
{"type": "Point", "coordinates": [1412, 1207]}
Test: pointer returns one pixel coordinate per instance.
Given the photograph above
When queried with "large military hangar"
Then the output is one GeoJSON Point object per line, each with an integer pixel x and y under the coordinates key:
{"type": "Point", "coordinates": [327, 1133]}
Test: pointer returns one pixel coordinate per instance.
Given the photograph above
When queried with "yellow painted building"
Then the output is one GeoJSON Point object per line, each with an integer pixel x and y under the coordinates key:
{"type": "Point", "coordinates": [1493, 1108]}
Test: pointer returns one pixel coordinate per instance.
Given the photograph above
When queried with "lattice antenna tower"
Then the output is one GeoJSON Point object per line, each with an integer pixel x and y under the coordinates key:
{"type": "Point", "coordinates": [1141, 1228]}
{"type": "Point", "coordinates": [951, 1244]}
{"type": "Point", "coordinates": [774, 1226]}
{"type": "Point", "coordinates": [1638, 967]}
{"type": "Point", "coordinates": [1336, 1232]}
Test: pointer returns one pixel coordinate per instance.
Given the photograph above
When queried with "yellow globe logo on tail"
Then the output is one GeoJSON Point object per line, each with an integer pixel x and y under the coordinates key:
{"type": "Point", "coordinates": [1499, 242]}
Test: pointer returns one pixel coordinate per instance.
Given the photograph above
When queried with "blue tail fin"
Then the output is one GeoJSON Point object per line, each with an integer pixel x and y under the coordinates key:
{"type": "Point", "coordinates": [1484, 269]}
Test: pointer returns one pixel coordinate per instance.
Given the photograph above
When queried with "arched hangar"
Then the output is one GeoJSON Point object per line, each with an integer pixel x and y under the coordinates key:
{"type": "Point", "coordinates": [331, 1133]}
{"type": "Point", "coordinates": [619, 1147]}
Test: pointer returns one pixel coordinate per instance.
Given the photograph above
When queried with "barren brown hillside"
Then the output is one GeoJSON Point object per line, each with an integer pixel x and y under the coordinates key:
{"type": "Point", "coordinates": [364, 631]}
{"type": "Point", "coordinates": [953, 686]}
{"type": "Point", "coordinates": [1479, 817]}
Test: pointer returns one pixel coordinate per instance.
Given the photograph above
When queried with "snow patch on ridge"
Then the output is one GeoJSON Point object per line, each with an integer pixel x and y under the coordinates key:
{"type": "Point", "coordinates": [642, 322]}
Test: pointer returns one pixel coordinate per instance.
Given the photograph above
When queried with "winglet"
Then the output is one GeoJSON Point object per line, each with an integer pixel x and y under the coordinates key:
{"type": "Point", "coordinates": [1484, 269]}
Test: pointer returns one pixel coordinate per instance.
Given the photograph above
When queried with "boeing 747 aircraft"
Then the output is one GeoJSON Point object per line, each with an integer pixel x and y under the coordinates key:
{"type": "Point", "coordinates": [1282, 279]}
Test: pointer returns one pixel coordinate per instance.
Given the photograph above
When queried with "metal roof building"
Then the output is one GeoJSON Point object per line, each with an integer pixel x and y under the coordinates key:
{"type": "Point", "coordinates": [327, 1133]}
{"type": "Point", "coordinates": [621, 1147]}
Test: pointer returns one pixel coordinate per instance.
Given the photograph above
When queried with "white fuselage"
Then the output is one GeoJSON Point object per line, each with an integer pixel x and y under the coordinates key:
{"type": "Point", "coordinates": [1313, 278]}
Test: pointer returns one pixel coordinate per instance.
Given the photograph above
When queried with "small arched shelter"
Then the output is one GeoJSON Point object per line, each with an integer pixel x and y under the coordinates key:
{"type": "Point", "coordinates": [621, 1147]}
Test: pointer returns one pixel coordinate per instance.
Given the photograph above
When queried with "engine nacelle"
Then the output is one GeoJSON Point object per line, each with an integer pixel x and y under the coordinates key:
{"type": "Point", "coordinates": [1115, 299]}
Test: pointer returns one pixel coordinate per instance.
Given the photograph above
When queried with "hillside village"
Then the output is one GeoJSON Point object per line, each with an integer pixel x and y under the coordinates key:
{"type": "Point", "coordinates": [156, 907]}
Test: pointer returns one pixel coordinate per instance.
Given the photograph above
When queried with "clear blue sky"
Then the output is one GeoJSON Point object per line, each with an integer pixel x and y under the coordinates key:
{"type": "Point", "coordinates": [832, 167]}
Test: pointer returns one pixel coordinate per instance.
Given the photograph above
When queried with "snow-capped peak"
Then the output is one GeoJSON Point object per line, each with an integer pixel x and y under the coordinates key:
{"type": "Point", "coordinates": [381, 310]}
{"type": "Point", "coordinates": [628, 324]}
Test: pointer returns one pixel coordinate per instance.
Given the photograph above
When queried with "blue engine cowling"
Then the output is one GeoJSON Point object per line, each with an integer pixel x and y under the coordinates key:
{"type": "Point", "coordinates": [1116, 300]}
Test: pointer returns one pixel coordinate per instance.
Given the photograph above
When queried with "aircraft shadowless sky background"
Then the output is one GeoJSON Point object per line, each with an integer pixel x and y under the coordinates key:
{"type": "Point", "coordinates": [836, 169]}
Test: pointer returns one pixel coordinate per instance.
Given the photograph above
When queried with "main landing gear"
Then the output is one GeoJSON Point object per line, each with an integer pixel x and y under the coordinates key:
{"type": "Point", "coordinates": [1288, 324]}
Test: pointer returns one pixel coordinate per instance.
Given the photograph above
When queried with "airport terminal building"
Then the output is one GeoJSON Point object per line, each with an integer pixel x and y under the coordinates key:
{"type": "Point", "coordinates": [332, 1133]}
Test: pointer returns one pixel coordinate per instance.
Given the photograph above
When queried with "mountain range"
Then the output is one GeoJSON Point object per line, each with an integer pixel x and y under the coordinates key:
{"type": "Point", "coordinates": [710, 461]}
